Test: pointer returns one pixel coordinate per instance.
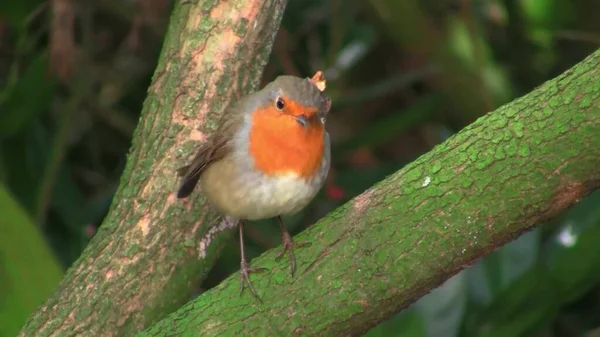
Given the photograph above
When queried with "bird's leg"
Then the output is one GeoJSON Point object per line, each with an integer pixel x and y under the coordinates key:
{"type": "Point", "coordinates": [245, 270]}
{"type": "Point", "coordinates": [288, 245]}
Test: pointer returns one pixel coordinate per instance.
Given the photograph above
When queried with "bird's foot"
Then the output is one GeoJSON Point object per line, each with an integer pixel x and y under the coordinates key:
{"type": "Point", "coordinates": [288, 246]}
{"type": "Point", "coordinates": [245, 272]}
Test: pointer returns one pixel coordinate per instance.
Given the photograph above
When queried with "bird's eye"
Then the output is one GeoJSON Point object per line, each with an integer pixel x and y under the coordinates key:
{"type": "Point", "coordinates": [279, 103]}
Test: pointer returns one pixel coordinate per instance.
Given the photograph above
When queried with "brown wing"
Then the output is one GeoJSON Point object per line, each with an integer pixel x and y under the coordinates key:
{"type": "Point", "coordinates": [216, 148]}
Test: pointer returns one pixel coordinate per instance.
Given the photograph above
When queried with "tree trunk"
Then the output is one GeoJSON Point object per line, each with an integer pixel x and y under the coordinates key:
{"type": "Point", "coordinates": [144, 260]}
{"type": "Point", "coordinates": [509, 171]}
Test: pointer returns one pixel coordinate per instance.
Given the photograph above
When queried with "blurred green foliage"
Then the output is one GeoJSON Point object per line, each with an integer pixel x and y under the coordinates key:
{"type": "Point", "coordinates": [403, 76]}
{"type": "Point", "coordinates": [29, 271]}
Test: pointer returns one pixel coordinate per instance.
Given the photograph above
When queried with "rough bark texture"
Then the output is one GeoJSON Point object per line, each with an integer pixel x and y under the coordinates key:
{"type": "Point", "coordinates": [144, 260]}
{"type": "Point", "coordinates": [506, 173]}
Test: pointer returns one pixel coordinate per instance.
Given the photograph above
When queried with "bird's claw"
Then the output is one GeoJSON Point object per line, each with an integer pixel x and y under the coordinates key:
{"type": "Point", "coordinates": [288, 246]}
{"type": "Point", "coordinates": [245, 272]}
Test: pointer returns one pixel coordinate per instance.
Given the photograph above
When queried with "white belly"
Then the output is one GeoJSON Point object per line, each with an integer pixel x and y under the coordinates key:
{"type": "Point", "coordinates": [270, 197]}
{"type": "Point", "coordinates": [250, 195]}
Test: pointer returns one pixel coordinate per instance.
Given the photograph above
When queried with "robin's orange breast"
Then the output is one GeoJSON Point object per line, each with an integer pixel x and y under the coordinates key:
{"type": "Point", "coordinates": [279, 145]}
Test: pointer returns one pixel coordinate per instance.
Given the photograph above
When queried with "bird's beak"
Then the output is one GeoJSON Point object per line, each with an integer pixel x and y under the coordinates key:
{"type": "Point", "coordinates": [301, 119]}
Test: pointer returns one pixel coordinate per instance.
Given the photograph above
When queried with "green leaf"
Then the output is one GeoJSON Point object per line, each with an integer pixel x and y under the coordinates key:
{"type": "Point", "coordinates": [29, 271]}
{"type": "Point", "coordinates": [32, 95]}
{"type": "Point", "coordinates": [480, 285]}
{"type": "Point", "coordinates": [548, 14]}
{"type": "Point", "coordinates": [3, 173]}
{"type": "Point", "coordinates": [25, 156]}
{"type": "Point", "coordinates": [519, 256]}
{"type": "Point", "coordinates": [68, 201]}
{"type": "Point", "coordinates": [574, 253]}
{"type": "Point", "coordinates": [443, 308]}
{"type": "Point", "coordinates": [501, 268]}
{"type": "Point", "coordinates": [15, 12]}
{"type": "Point", "coordinates": [521, 308]}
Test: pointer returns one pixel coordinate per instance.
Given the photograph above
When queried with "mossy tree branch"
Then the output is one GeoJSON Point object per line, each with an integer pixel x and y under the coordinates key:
{"type": "Point", "coordinates": [143, 262]}
{"type": "Point", "coordinates": [504, 174]}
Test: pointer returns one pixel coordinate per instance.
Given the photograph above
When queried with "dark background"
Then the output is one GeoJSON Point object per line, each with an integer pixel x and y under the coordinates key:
{"type": "Point", "coordinates": [403, 76]}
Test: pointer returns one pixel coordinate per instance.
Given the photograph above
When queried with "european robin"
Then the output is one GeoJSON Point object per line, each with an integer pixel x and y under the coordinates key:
{"type": "Point", "coordinates": [268, 158]}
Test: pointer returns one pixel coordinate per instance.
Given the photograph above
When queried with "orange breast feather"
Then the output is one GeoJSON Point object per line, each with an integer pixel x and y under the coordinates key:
{"type": "Point", "coordinates": [279, 145]}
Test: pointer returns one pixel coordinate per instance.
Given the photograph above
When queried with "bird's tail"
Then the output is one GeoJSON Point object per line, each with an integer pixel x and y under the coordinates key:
{"type": "Point", "coordinates": [188, 183]}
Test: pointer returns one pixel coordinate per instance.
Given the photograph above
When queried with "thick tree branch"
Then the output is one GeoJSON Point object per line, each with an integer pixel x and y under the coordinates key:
{"type": "Point", "coordinates": [143, 262]}
{"type": "Point", "coordinates": [509, 171]}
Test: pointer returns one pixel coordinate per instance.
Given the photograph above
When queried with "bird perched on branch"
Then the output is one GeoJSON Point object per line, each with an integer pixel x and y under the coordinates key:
{"type": "Point", "coordinates": [269, 157]}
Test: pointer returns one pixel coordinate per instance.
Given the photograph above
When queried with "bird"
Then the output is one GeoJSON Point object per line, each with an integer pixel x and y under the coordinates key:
{"type": "Point", "coordinates": [268, 158]}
